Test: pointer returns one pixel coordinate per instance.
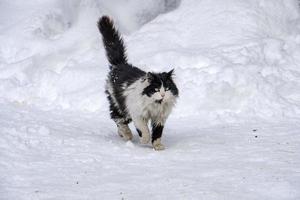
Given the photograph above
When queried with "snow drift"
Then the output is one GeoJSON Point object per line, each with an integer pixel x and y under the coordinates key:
{"type": "Point", "coordinates": [234, 59]}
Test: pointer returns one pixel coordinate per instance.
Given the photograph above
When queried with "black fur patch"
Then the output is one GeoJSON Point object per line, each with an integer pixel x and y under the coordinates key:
{"type": "Point", "coordinates": [113, 43]}
{"type": "Point", "coordinates": [139, 132]}
{"type": "Point", "coordinates": [156, 131]}
{"type": "Point", "coordinates": [158, 101]}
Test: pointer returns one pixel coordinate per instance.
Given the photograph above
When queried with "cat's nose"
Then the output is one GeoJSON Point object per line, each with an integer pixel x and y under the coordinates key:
{"type": "Point", "coordinates": [162, 94]}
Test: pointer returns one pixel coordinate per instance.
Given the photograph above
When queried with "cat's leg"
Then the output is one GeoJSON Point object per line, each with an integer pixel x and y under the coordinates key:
{"type": "Point", "coordinates": [123, 129]}
{"type": "Point", "coordinates": [142, 129]}
{"type": "Point", "coordinates": [157, 129]}
{"type": "Point", "coordinates": [120, 120]}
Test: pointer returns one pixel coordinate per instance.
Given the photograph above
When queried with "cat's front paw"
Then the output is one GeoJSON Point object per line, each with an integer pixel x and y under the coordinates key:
{"type": "Point", "coordinates": [145, 139]}
{"type": "Point", "coordinates": [157, 145]}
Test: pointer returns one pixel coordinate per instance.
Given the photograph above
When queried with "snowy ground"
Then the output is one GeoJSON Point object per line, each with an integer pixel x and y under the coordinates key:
{"type": "Point", "coordinates": [235, 132]}
{"type": "Point", "coordinates": [66, 155]}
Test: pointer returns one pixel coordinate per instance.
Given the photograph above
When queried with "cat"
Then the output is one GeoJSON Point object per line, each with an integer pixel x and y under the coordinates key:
{"type": "Point", "coordinates": [133, 94]}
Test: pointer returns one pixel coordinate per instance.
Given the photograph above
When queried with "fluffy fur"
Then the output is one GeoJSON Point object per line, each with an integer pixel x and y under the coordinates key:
{"type": "Point", "coordinates": [133, 94]}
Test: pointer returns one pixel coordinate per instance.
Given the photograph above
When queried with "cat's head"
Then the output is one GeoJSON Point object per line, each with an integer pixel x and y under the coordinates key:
{"type": "Point", "coordinates": [161, 87]}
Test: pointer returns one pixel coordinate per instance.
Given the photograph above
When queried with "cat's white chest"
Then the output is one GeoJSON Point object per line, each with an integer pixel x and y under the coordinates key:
{"type": "Point", "coordinates": [156, 110]}
{"type": "Point", "coordinates": [159, 112]}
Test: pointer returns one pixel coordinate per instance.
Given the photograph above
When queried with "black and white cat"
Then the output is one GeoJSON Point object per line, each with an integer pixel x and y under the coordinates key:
{"type": "Point", "coordinates": [135, 95]}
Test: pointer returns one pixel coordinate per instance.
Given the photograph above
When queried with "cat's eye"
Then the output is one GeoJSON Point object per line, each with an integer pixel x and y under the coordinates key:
{"type": "Point", "coordinates": [167, 89]}
{"type": "Point", "coordinates": [156, 89]}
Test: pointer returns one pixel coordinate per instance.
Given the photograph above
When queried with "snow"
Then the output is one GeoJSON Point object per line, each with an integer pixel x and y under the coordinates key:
{"type": "Point", "coordinates": [66, 155]}
{"type": "Point", "coordinates": [233, 135]}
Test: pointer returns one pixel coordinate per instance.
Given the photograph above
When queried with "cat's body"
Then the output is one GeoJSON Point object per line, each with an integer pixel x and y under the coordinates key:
{"type": "Point", "coordinates": [135, 95]}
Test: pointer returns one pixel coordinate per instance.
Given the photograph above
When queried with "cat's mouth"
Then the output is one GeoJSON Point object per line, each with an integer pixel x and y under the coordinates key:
{"type": "Point", "coordinates": [159, 101]}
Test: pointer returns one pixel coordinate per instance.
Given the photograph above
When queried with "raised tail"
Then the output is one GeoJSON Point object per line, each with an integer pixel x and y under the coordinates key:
{"type": "Point", "coordinates": [113, 43]}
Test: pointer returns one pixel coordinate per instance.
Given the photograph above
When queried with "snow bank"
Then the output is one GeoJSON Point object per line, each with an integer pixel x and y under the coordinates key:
{"type": "Point", "coordinates": [234, 59]}
{"type": "Point", "coordinates": [51, 53]}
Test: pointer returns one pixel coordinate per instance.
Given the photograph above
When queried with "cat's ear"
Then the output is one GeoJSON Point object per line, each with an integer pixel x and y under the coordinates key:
{"type": "Point", "coordinates": [170, 73]}
{"type": "Point", "coordinates": [150, 76]}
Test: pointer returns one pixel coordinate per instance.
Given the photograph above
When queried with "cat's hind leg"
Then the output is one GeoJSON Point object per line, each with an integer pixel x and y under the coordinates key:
{"type": "Point", "coordinates": [123, 130]}
{"type": "Point", "coordinates": [120, 120]}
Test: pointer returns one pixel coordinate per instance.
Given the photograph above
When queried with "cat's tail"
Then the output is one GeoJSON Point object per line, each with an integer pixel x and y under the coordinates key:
{"type": "Point", "coordinates": [113, 43]}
